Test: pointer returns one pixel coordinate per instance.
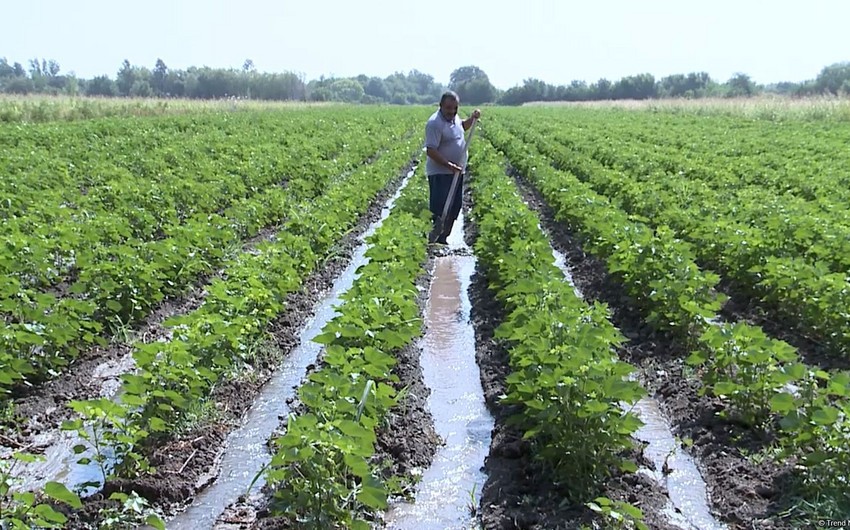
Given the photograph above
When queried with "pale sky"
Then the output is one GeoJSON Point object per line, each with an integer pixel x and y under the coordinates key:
{"type": "Point", "coordinates": [557, 42]}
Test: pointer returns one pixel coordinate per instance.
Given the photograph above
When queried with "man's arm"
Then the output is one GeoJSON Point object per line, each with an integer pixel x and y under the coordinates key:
{"type": "Point", "coordinates": [467, 123]}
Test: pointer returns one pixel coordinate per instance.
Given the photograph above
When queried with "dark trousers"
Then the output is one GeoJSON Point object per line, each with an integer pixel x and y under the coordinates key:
{"type": "Point", "coordinates": [439, 186]}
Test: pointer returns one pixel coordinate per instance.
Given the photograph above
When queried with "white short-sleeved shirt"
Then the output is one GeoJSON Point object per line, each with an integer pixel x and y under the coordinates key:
{"type": "Point", "coordinates": [446, 137]}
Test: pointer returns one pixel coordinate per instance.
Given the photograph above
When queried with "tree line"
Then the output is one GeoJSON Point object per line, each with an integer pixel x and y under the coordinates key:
{"type": "Point", "coordinates": [415, 87]}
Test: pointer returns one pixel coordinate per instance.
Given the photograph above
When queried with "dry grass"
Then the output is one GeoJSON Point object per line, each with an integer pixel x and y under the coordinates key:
{"type": "Point", "coordinates": [762, 107]}
{"type": "Point", "coordinates": [42, 108]}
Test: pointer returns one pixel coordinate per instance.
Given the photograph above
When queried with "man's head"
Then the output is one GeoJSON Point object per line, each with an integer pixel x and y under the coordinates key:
{"type": "Point", "coordinates": [449, 103]}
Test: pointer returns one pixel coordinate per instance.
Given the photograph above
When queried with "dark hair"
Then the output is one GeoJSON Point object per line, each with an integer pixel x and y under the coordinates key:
{"type": "Point", "coordinates": [449, 94]}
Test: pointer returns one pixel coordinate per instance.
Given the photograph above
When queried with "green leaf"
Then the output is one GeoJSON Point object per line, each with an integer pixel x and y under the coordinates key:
{"type": "Point", "coordinates": [50, 516]}
{"type": "Point", "coordinates": [355, 430]}
{"type": "Point", "coordinates": [628, 466]}
{"type": "Point", "coordinates": [25, 498]}
{"type": "Point", "coordinates": [61, 493]}
{"type": "Point", "coordinates": [373, 494]}
{"type": "Point", "coordinates": [825, 415]}
{"type": "Point", "coordinates": [325, 338]}
{"type": "Point", "coordinates": [632, 511]}
{"type": "Point", "coordinates": [357, 464]}
{"type": "Point", "coordinates": [782, 403]}
{"type": "Point", "coordinates": [595, 407]}
{"type": "Point", "coordinates": [133, 401]}
{"type": "Point", "coordinates": [27, 458]}
{"type": "Point", "coordinates": [796, 370]}
{"type": "Point", "coordinates": [158, 425]}
{"type": "Point", "coordinates": [725, 388]}
{"type": "Point", "coordinates": [359, 524]}
{"type": "Point", "coordinates": [815, 458]}
{"type": "Point", "coordinates": [603, 501]}
{"type": "Point", "coordinates": [156, 522]}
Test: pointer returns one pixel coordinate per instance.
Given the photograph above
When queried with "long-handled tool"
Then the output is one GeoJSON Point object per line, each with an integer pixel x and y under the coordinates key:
{"type": "Point", "coordinates": [437, 232]}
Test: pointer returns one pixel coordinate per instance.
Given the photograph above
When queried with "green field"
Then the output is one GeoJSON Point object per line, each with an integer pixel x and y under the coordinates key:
{"type": "Point", "coordinates": [725, 226]}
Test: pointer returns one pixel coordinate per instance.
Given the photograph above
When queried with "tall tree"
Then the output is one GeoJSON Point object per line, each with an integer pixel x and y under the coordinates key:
{"type": "Point", "coordinates": [160, 74]}
{"type": "Point", "coordinates": [465, 74]}
{"type": "Point", "coordinates": [472, 85]}
{"type": "Point", "coordinates": [6, 70]}
{"type": "Point", "coordinates": [376, 88]}
{"type": "Point", "coordinates": [36, 69]}
{"type": "Point", "coordinates": [740, 85]}
{"type": "Point", "coordinates": [602, 89]}
{"type": "Point", "coordinates": [832, 78]}
{"type": "Point", "coordinates": [101, 86]}
{"type": "Point", "coordinates": [52, 68]}
{"type": "Point", "coordinates": [126, 78]}
{"type": "Point", "coordinates": [347, 90]}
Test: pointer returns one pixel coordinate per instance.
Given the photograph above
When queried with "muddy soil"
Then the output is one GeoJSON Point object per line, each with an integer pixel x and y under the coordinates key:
{"type": "Point", "coordinates": [187, 463]}
{"type": "Point", "coordinates": [743, 493]}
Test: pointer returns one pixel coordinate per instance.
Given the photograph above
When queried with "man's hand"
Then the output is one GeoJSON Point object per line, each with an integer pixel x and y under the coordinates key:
{"type": "Point", "coordinates": [440, 159]}
{"type": "Point", "coordinates": [467, 123]}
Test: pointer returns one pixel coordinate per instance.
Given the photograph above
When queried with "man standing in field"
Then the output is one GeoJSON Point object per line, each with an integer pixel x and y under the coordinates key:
{"type": "Point", "coordinates": [445, 145]}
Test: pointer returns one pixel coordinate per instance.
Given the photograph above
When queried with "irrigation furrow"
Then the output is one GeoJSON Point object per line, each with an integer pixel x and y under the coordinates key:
{"type": "Point", "coordinates": [246, 451]}
{"type": "Point", "coordinates": [447, 493]}
{"type": "Point", "coordinates": [741, 496]}
{"type": "Point", "coordinates": [516, 477]}
{"type": "Point", "coordinates": [369, 352]}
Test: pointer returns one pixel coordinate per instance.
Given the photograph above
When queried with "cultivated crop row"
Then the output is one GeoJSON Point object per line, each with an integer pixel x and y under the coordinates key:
{"type": "Point", "coordinates": [324, 473]}
{"type": "Point", "coordinates": [565, 374]}
{"type": "Point", "coordinates": [770, 249]}
{"type": "Point", "coordinates": [220, 340]}
{"type": "Point", "coordinates": [756, 375]}
{"type": "Point", "coordinates": [88, 268]}
{"type": "Point", "coordinates": [818, 228]}
{"type": "Point", "coordinates": [804, 159]}
{"type": "Point", "coordinates": [220, 336]}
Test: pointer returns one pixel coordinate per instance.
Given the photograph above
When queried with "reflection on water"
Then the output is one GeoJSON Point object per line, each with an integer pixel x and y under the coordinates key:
{"type": "Point", "coordinates": [682, 478]}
